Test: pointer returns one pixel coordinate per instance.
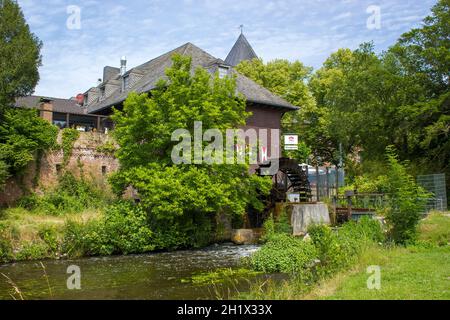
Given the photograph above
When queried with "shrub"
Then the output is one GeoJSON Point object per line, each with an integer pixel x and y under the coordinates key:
{"type": "Point", "coordinates": [6, 250]}
{"type": "Point", "coordinates": [32, 251]}
{"type": "Point", "coordinates": [272, 227]}
{"type": "Point", "coordinates": [340, 249]}
{"type": "Point", "coordinates": [192, 230]}
{"type": "Point", "coordinates": [284, 253]}
{"type": "Point", "coordinates": [49, 235]}
{"type": "Point", "coordinates": [123, 229]}
{"type": "Point", "coordinates": [69, 137]}
{"type": "Point", "coordinates": [69, 196]}
{"type": "Point", "coordinates": [406, 201]}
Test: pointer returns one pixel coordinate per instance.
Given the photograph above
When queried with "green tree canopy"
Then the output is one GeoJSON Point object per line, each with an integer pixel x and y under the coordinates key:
{"type": "Point", "coordinates": [143, 130]}
{"type": "Point", "coordinates": [22, 133]}
{"type": "Point", "coordinates": [19, 52]}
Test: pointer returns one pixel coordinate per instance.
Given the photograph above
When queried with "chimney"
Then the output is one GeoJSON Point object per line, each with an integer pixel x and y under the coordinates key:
{"type": "Point", "coordinates": [123, 66]}
{"type": "Point", "coordinates": [46, 109]}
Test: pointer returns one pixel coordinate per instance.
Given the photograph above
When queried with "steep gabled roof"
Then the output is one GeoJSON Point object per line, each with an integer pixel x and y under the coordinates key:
{"type": "Point", "coordinates": [154, 70]}
{"type": "Point", "coordinates": [242, 50]}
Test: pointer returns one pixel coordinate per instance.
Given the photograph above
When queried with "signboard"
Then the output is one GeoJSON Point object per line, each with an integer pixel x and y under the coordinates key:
{"type": "Point", "coordinates": [291, 142]}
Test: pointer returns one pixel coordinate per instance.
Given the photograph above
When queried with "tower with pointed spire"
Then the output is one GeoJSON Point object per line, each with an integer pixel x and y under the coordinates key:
{"type": "Point", "coordinates": [242, 50]}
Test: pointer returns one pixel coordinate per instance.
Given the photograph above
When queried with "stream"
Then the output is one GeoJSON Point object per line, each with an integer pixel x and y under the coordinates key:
{"type": "Point", "coordinates": [147, 276]}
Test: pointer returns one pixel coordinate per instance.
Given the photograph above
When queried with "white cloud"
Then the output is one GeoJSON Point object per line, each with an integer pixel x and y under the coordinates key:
{"type": "Point", "coordinates": [308, 30]}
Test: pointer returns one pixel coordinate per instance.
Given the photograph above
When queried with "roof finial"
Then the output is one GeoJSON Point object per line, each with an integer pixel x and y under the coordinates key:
{"type": "Point", "coordinates": [242, 28]}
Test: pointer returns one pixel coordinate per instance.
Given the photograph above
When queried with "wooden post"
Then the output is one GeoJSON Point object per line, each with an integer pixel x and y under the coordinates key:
{"type": "Point", "coordinates": [98, 123]}
{"type": "Point", "coordinates": [317, 183]}
{"type": "Point", "coordinates": [336, 171]}
{"type": "Point", "coordinates": [328, 181]}
{"type": "Point", "coordinates": [67, 120]}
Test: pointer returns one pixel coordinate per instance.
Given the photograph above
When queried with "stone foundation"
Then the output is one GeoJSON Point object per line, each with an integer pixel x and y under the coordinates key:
{"type": "Point", "coordinates": [304, 215]}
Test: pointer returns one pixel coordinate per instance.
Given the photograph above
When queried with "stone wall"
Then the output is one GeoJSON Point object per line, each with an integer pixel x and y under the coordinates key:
{"type": "Point", "coordinates": [85, 157]}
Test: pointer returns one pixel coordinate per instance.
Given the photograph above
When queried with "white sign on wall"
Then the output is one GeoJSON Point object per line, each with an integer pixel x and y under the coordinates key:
{"type": "Point", "coordinates": [291, 142]}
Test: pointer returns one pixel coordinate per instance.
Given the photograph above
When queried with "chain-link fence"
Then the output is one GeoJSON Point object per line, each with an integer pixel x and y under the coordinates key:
{"type": "Point", "coordinates": [435, 184]}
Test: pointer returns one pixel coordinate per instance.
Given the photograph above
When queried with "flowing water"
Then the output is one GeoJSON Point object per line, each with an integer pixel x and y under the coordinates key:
{"type": "Point", "coordinates": [150, 276]}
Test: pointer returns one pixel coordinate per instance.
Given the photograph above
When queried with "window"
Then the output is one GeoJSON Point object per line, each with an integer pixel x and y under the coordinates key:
{"type": "Point", "coordinates": [60, 120]}
{"type": "Point", "coordinates": [102, 93]}
{"type": "Point", "coordinates": [223, 72]}
{"type": "Point", "coordinates": [126, 83]}
{"type": "Point", "coordinates": [104, 170]}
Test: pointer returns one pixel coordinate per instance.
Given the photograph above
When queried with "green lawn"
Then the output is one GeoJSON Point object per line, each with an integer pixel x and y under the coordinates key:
{"type": "Point", "coordinates": [408, 274]}
{"type": "Point", "coordinates": [418, 272]}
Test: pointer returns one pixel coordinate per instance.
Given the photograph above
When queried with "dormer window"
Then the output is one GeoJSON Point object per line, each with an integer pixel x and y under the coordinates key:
{"type": "Point", "coordinates": [126, 83]}
{"type": "Point", "coordinates": [102, 93]}
{"type": "Point", "coordinates": [223, 71]}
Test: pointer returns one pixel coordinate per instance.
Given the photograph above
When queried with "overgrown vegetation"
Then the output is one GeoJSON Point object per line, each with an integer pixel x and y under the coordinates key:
{"type": "Point", "coordinates": [22, 135]}
{"type": "Point", "coordinates": [406, 201]}
{"type": "Point", "coordinates": [221, 276]}
{"type": "Point", "coordinates": [342, 257]}
{"type": "Point", "coordinates": [69, 195]}
{"type": "Point", "coordinates": [22, 132]}
{"type": "Point", "coordinates": [69, 136]}
{"type": "Point", "coordinates": [183, 198]}
{"type": "Point", "coordinates": [326, 252]}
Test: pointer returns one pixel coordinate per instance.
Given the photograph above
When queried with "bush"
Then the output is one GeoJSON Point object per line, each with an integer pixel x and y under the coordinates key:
{"type": "Point", "coordinates": [340, 249]}
{"type": "Point", "coordinates": [49, 235]}
{"type": "Point", "coordinates": [124, 229]}
{"type": "Point", "coordinates": [272, 227]}
{"type": "Point", "coordinates": [284, 253]}
{"type": "Point", "coordinates": [6, 250]}
{"type": "Point", "coordinates": [192, 230]}
{"type": "Point", "coordinates": [32, 251]}
{"type": "Point", "coordinates": [406, 201]}
{"type": "Point", "coordinates": [70, 196]}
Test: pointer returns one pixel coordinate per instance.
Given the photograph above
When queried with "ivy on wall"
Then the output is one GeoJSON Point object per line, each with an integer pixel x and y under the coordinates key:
{"type": "Point", "coordinates": [69, 137]}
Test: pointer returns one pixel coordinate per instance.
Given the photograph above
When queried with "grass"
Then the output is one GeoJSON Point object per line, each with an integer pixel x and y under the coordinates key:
{"type": "Point", "coordinates": [33, 235]}
{"type": "Point", "coordinates": [419, 272]}
{"type": "Point", "coordinates": [408, 274]}
{"type": "Point", "coordinates": [413, 273]}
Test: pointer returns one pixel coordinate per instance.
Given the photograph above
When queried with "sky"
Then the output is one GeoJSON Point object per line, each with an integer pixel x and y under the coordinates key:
{"type": "Point", "coordinates": [80, 37]}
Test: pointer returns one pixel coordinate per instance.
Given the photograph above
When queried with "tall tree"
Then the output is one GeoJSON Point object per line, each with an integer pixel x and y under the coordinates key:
{"type": "Point", "coordinates": [178, 194]}
{"type": "Point", "coordinates": [20, 55]}
{"type": "Point", "coordinates": [422, 59]}
{"type": "Point", "coordinates": [22, 133]}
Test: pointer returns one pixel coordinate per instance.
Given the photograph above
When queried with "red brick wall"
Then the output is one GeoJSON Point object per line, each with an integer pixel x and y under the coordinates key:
{"type": "Point", "coordinates": [84, 151]}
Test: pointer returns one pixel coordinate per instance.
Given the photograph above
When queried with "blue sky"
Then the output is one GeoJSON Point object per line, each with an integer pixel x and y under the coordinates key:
{"type": "Point", "coordinates": [307, 30]}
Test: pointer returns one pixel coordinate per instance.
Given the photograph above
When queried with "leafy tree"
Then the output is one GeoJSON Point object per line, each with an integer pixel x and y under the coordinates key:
{"type": "Point", "coordinates": [421, 58]}
{"type": "Point", "coordinates": [179, 196]}
{"type": "Point", "coordinates": [22, 135]}
{"type": "Point", "coordinates": [20, 55]}
{"type": "Point", "coordinates": [22, 132]}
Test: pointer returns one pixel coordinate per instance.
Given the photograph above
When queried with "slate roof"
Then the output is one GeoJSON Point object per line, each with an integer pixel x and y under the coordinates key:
{"type": "Point", "coordinates": [242, 50]}
{"type": "Point", "coordinates": [59, 105]}
{"type": "Point", "coordinates": [154, 70]}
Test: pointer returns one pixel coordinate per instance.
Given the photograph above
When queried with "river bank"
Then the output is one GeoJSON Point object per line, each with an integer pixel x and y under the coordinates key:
{"type": "Point", "coordinates": [416, 271]}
